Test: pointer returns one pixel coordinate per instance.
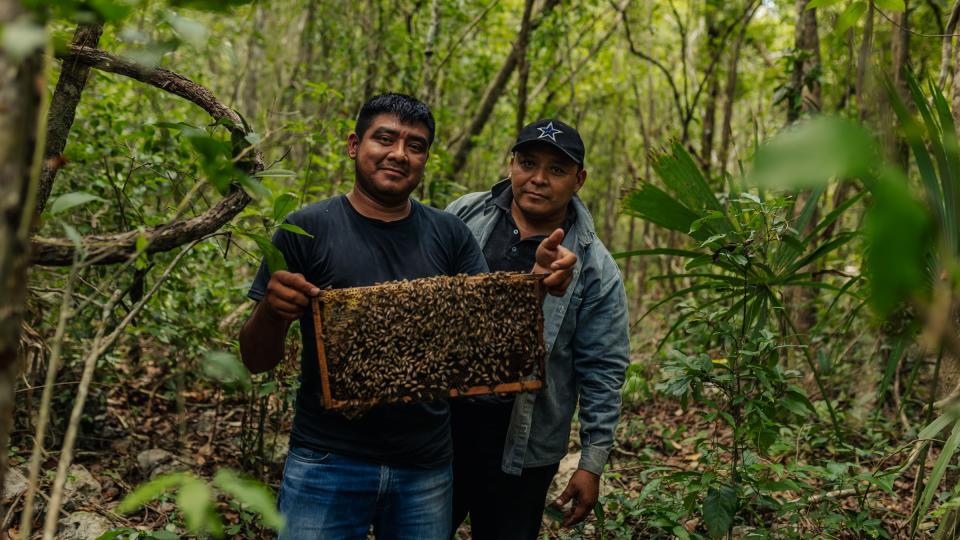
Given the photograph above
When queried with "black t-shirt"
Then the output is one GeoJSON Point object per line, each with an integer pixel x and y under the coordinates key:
{"type": "Point", "coordinates": [350, 250]}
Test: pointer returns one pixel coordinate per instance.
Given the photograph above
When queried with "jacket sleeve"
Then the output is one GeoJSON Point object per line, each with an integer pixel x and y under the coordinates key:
{"type": "Point", "coordinates": [457, 207]}
{"type": "Point", "coordinates": [600, 358]}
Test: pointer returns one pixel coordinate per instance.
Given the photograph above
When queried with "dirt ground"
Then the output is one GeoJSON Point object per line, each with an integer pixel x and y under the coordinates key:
{"type": "Point", "coordinates": [208, 429]}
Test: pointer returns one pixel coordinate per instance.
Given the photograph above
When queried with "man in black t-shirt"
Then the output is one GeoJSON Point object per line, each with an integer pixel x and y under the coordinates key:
{"type": "Point", "coordinates": [390, 468]}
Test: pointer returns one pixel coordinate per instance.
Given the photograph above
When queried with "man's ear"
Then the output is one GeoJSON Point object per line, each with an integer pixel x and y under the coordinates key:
{"type": "Point", "coordinates": [353, 145]}
{"type": "Point", "coordinates": [581, 178]}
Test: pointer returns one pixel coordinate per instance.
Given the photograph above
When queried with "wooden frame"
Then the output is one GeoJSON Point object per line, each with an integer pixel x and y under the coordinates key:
{"type": "Point", "coordinates": [503, 388]}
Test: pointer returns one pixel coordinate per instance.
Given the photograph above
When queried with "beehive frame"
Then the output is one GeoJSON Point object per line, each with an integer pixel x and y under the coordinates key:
{"type": "Point", "coordinates": [320, 306]}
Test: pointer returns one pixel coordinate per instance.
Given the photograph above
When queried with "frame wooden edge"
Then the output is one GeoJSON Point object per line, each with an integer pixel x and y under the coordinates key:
{"type": "Point", "coordinates": [502, 388]}
{"type": "Point", "coordinates": [328, 402]}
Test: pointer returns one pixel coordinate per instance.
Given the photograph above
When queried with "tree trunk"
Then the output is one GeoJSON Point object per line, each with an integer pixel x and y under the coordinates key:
{"type": "Point", "coordinates": [956, 66]}
{"type": "Point", "coordinates": [63, 108]}
{"type": "Point", "coordinates": [947, 51]}
{"type": "Point", "coordinates": [21, 85]}
{"type": "Point", "coordinates": [730, 91]}
{"type": "Point", "coordinates": [427, 84]}
{"type": "Point", "coordinates": [251, 95]}
{"type": "Point", "coordinates": [900, 53]}
{"type": "Point", "coordinates": [866, 47]}
{"type": "Point", "coordinates": [373, 48]}
{"type": "Point", "coordinates": [807, 45]}
{"type": "Point", "coordinates": [427, 88]}
{"type": "Point", "coordinates": [524, 66]}
{"type": "Point", "coordinates": [714, 51]}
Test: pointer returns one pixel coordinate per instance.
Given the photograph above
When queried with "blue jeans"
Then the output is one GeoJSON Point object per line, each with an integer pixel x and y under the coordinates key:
{"type": "Point", "coordinates": [328, 496]}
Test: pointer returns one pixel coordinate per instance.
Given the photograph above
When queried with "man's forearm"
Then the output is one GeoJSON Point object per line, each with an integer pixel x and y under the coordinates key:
{"type": "Point", "coordinates": [262, 339]}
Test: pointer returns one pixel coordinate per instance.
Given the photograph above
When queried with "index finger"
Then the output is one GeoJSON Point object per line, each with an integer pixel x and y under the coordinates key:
{"type": "Point", "coordinates": [552, 241]}
{"type": "Point", "coordinates": [296, 282]}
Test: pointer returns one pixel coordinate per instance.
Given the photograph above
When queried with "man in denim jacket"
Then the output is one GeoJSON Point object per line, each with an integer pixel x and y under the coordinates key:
{"type": "Point", "coordinates": [507, 448]}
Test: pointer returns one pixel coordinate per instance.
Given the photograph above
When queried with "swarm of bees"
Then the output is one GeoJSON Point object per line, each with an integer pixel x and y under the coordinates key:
{"type": "Point", "coordinates": [418, 340]}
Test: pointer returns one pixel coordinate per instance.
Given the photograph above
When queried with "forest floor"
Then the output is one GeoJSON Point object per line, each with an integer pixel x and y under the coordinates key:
{"type": "Point", "coordinates": [136, 430]}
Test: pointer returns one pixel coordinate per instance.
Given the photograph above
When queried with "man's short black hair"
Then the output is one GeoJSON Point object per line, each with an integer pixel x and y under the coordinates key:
{"type": "Point", "coordinates": [408, 109]}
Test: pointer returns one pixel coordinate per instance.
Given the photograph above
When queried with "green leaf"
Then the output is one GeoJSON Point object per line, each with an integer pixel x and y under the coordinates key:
{"type": "Point", "coordinates": [780, 485]}
{"type": "Point", "coordinates": [226, 368]}
{"type": "Point", "coordinates": [822, 3]}
{"type": "Point", "coordinates": [280, 173]}
{"type": "Point", "coordinates": [900, 240]}
{"type": "Point", "coordinates": [189, 130]}
{"type": "Point", "coordinates": [151, 490]}
{"type": "Point", "coordinates": [685, 181]}
{"type": "Point", "coordinates": [939, 468]}
{"type": "Point", "coordinates": [22, 37]}
{"type": "Point", "coordinates": [111, 10]}
{"type": "Point", "coordinates": [210, 5]}
{"type": "Point", "coordinates": [114, 534]}
{"type": "Point", "coordinates": [195, 501]}
{"type": "Point", "coordinates": [719, 507]}
{"type": "Point", "coordinates": [189, 30]}
{"type": "Point", "coordinates": [797, 403]}
{"type": "Point", "coordinates": [295, 229]}
{"type": "Point", "coordinates": [69, 200]}
{"type": "Point", "coordinates": [273, 256]}
{"type": "Point", "coordinates": [74, 236]}
{"type": "Point", "coordinates": [251, 493]}
{"type": "Point", "coordinates": [255, 189]}
{"type": "Point", "coordinates": [891, 5]}
{"type": "Point", "coordinates": [283, 205]}
{"type": "Point", "coordinates": [812, 153]}
{"type": "Point", "coordinates": [657, 251]}
{"type": "Point", "coordinates": [656, 206]}
{"type": "Point", "coordinates": [850, 16]}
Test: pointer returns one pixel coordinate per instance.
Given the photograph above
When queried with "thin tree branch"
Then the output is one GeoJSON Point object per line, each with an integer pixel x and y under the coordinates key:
{"type": "Point", "coordinates": [656, 63]}
{"type": "Point", "coordinates": [66, 310]}
{"type": "Point", "coordinates": [470, 27]}
{"type": "Point", "coordinates": [914, 32]}
{"type": "Point", "coordinates": [583, 61]}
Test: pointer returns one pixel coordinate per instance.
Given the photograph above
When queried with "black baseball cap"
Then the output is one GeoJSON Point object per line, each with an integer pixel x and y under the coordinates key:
{"type": "Point", "coordinates": [555, 133]}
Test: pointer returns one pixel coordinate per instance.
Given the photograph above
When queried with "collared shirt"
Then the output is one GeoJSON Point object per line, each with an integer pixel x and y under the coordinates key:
{"type": "Point", "coordinates": [505, 251]}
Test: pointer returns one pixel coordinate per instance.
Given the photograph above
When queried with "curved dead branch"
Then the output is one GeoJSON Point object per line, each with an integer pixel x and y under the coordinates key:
{"type": "Point", "coordinates": [164, 79]}
{"type": "Point", "coordinates": [113, 248]}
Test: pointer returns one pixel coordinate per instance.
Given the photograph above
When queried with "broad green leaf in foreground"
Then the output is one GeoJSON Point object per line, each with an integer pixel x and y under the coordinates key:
{"type": "Point", "coordinates": [70, 200]}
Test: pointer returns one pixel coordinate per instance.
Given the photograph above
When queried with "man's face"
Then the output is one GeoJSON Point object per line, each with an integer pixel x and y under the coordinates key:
{"type": "Point", "coordinates": [544, 180]}
{"type": "Point", "coordinates": [390, 158]}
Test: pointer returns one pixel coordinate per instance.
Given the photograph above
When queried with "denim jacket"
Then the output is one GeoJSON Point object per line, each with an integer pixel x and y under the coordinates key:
{"type": "Point", "coordinates": [585, 334]}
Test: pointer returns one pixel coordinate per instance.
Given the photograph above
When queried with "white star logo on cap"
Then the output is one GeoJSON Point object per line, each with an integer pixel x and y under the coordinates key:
{"type": "Point", "coordinates": [549, 131]}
